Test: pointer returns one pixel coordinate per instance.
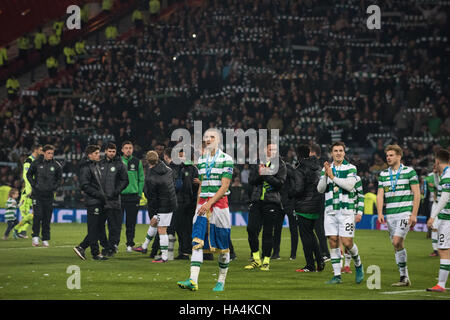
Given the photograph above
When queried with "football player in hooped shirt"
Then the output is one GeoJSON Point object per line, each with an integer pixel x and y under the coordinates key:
{"type": "Point", "coordinates": [398, 185]}
{"type": "Point", "coordinates": [442, 211]}
{"type": "Point", "coordinates": [212, 224]}
{"type": "Point", "coordinates": [338, 181]}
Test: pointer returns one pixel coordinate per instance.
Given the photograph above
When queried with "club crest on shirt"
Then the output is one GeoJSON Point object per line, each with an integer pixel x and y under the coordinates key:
{"type": "Point", "coordinates": [113, 169]}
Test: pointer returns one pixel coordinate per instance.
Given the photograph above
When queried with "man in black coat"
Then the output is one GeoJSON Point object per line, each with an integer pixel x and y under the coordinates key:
{"type": "Point", "coordinates": [308, 206]}
{"type": "Point", "coordinates": [266, 180]}
{"type": "Point", "coordinates": [95, 200]}
{"type": "Point", "coordinates": [159, 189]}
{"type": "Point", "coordinates": [114, 179]}
{"type": "Point", "coordinates": [44, 175]}
{"type": "Point", "coordinates": [102, 182]}
{"type": "Point", "coordinates": [287, 200]}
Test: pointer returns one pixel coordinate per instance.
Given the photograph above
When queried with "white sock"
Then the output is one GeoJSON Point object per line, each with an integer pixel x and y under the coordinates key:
{"type": "Point", "coordinates": [401, 258]}
{"type": "Point", "coordinates": [355, 255]}
{"type": "Point", "coordinates": [224, 260]}
{"type": "Point", "coordinates": [444, 270]}
{"type": "Point", "coordinates": [164, 245]}
{"type": "Point", "coordinates": [172, 240]}
{"type": "Point", "coordinates": [151, 233]}
{"type": "Point", "coordinates": [335, 255]}
{"type": "Point", "coordinates": [347, 259]}
{"type": "Point", "coordinates": [196, 263]}
{"type": "Point", "coordinates": [434, 240]}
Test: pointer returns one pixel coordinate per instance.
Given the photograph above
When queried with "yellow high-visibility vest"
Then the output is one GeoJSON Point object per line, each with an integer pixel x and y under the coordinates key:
{"type": "Point", "coordinates": [111, 32]}
{"type": "Point", "coordinates": [3, 56]}
{"type": "Point", "coordinates": [69, 53]}
{"type": "Point", "coordinates": [12, 85]}
{"type": "Point", "coordinates": [23, 43]}
{"type": "Point", "coordinates": [39, 40]}
{"type": "Point", "coordinates": [54, 40]}
{"type": "Point", "coordinates": [79, 48]}
{"type": "Point", "coordinates": [154, 6]}
{"type": "Point", "coordinates": [52, 62]}
{"type": "Point", "coordinates": [58, 27]}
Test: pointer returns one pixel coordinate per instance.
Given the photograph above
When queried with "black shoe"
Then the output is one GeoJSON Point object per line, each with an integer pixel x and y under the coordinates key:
{"type": "Point", "coordinates": [80, 252]}
{"type": "Point", "coordinates": [108, 252]}
{"type": "Point", "coordinates": [320, 266]}
{"type": "Point", "coordinates": [99, 257]}
{"type": "Point", "coordinates": [326, 258]}
{"type": "Point", "coordinates": [292, 258]}
{"type": "Point", "coordinates": [208, 256]}
{"type": "Point", "coordinates": [182, 257]}
{"type": "Point", "coordinates": [232, 256]}
{"type": "Point", "coordinates": [116, 248]}
{"type": "Point", "coordinates": [275, 256]}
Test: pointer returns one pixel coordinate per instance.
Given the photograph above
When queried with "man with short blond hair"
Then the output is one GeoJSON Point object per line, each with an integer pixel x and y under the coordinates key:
{"type": "Point", "coordinates": [212, 224]}
{"type": "Point", "coordinates": [399, 186]}
{"type": "Point", "coordinates": [159, 189]}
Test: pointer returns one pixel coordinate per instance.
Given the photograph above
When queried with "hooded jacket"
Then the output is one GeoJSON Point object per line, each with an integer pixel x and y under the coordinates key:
{"type": "Point", "coordinates": [159, 189]}
{"type": "Point", "coordinates": [307, 198]}
{"type": "Point", "coordinates": [44, 177]}
{"type": "Point", "coordinates": [275, 183]}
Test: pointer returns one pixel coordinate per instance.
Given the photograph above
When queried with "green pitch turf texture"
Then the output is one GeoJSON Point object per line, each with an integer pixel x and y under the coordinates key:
{"type": "Point", "coordinates": [41, 273]}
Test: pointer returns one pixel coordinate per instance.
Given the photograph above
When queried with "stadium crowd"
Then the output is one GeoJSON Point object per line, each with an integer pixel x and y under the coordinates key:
{"type": "Point", "coordinates": [311, 69]}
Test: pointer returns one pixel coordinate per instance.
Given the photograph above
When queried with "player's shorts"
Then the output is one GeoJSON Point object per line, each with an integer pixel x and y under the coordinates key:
{"type": "Point", "coordinates": [164, 219]}
{"type": "Point", "coordinates": [398, 225]}
{"type": "Point", "coordinates": [444, 234]}
{"type": "Point", "coordinates": [435, 224]}
{"type": "Point", "coordinates": [342, 225]}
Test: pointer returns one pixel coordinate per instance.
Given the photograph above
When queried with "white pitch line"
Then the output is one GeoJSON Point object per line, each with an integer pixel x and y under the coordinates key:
{"type": "Point", "coordinates": [33, 248]}
{"type": "Point", "coordinates": [405, 291]}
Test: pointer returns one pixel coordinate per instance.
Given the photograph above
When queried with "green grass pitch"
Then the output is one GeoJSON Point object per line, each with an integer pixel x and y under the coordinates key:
{"type": "Point", "coordinates": [41, 273]}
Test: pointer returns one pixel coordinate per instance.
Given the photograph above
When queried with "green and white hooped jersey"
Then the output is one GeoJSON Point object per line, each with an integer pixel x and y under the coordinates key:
{"type": "Point", "coordinates": [444, 185]}
{"type": "Point", "coordinates": [399, 201]}
{"type": "Point", "coordinates": [211, 170]}
{"type": "Point", "coordinates": [359, 196]}
{"type": "Point", "coordinates": [11, 208]}
{"type": "Point", "coordinates": [340, 200]}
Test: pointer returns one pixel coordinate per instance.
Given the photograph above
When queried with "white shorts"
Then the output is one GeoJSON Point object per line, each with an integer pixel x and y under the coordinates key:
{"type": "Point", "coordinates": [398, 225]}
{"type": "Point", "coordinates": [164, 219]}
{"type": "Point", "coordinates": [435, 224]}
{"type": "Point", "coordinates": [339, 225]}
{"type": "Point", "coordinates": [443, 234]}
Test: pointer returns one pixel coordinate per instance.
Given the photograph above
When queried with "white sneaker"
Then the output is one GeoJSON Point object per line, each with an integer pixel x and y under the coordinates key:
{"type": "Point", "coordinates": [35, 242]}
{"type": "Point", "coordinates": [129, 249]}
{"type": "Point", "coordinates": [45, 243]}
